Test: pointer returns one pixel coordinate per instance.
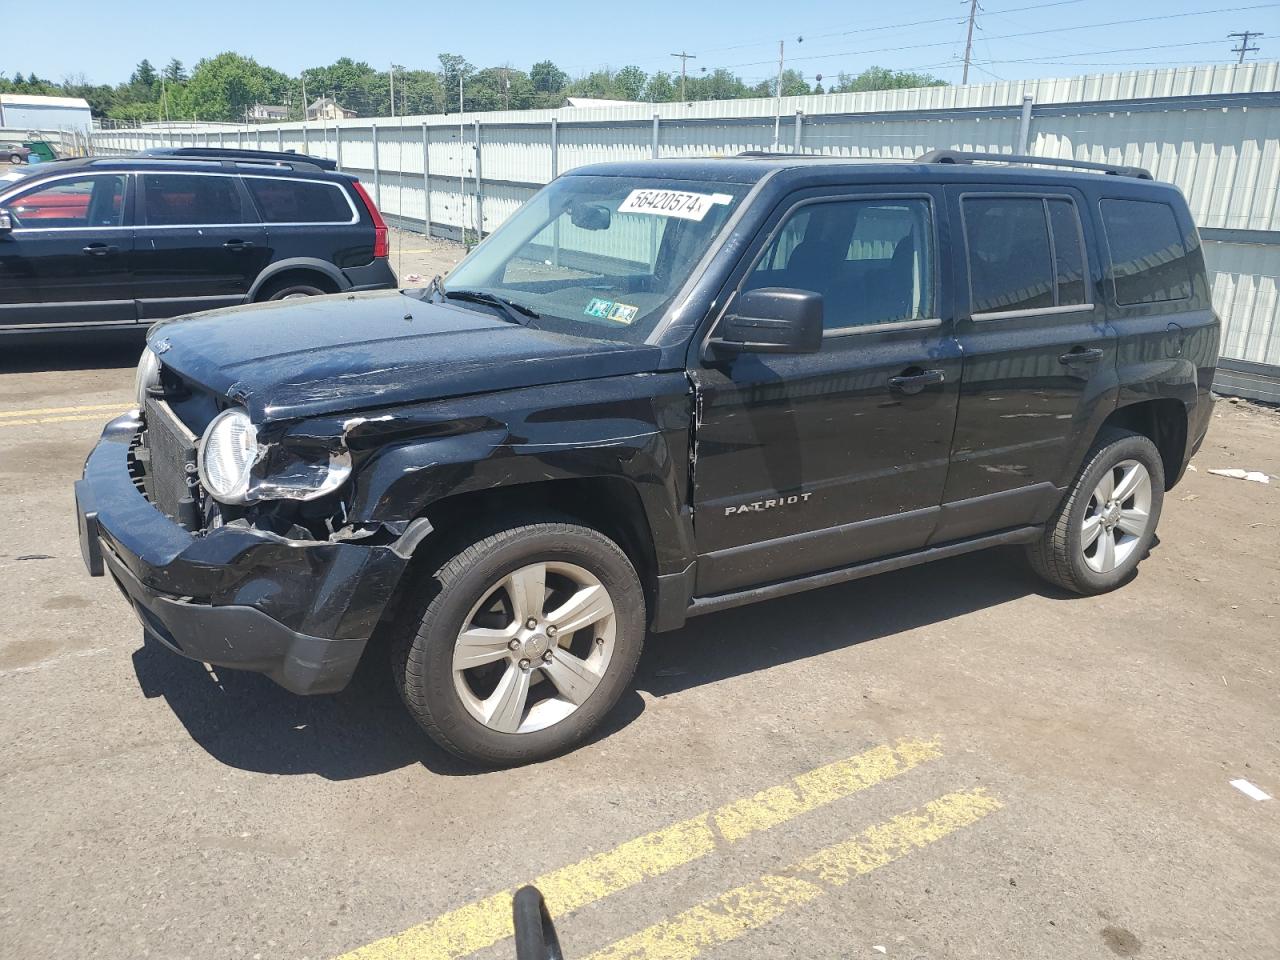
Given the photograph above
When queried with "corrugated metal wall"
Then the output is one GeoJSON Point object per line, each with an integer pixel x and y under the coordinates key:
{"type": "Point", "coordinates": [1214, 131]}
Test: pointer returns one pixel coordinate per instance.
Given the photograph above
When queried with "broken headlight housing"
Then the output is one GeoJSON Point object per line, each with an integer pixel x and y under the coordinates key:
{"type": "Point", "coordinates": [235, 468]}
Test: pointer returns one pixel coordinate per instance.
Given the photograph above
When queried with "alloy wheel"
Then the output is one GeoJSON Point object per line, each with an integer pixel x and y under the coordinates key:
{"type": "Point", "coordinates": [535, 647]}
{"type": "Point", "coordinates": [1117, 516]}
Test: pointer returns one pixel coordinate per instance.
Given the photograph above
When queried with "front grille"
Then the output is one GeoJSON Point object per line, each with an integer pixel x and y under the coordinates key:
{"type": "Point", "coordinates": [171, 467]}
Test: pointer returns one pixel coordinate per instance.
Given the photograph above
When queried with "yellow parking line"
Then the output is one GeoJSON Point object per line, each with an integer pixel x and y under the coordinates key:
{"type": "Point", "coordinates": [485, 922]}
{"type": "Point", "coordinates": [101, 418]}
{"type": "Point", "coordinates": [748, 907]}
{"type": "Point", "coordinates": [40, 412]}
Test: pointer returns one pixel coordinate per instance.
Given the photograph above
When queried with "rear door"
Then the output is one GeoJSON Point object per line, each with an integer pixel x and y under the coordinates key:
{"type": "Point", "coordinates": [1039, 355]}
{"type": "Point", "coordinates": [66, 260]}
{"type": "Point", "coordinates": [200, 243]}
{"type": "Point", "coordinates": [815, 461]}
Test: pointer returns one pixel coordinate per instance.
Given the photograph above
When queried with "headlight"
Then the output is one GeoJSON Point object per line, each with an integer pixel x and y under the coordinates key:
{"type": "Point", "coordinates": [148, 375]}
{"type": "Point", "coordinates": [228, 450]}
{"type": "Point", "coordinates": [235, 469]}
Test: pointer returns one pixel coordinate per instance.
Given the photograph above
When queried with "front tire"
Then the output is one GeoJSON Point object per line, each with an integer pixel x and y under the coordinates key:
{"type": "Point", "coordinates": [519, 644]}
{"type": "Point", "coordinates": [1107, 522]}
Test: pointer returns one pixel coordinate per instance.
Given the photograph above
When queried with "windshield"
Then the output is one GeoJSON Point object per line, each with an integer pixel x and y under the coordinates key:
{"type": "Point", "coordinates": [599, 257]}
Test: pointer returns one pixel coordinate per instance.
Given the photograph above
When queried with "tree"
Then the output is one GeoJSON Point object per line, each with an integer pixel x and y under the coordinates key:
{"type": "Point", "coordinates": [144, 76]}
{"type": "Point", "coordinates": [354, 85]}
{"type": "Point", "coordinates": [453, 68]}
{"type": "Point", "coordinates": [882, 78]}
{"type": "Point", "coordinates": [661, 88]}
{"type": "Point", "coordinates": [547, 77]}
{"type": "Point", "coordinates": [225, 86]}
{"type": "Point", "coordinates": [175, 72]}
{"type": "Point", "coordinates": [629, 82]}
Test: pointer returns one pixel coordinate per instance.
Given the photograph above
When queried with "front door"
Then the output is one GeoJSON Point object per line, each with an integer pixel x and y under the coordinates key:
{"type": "Point", "coordinates": [1039, 356]}
{"type": "Point", "coordinates": [66, 260]}
{"type": "Point", "coordinates": [810, 462]}
{"type": "Point", "coordinates": [200, 243]}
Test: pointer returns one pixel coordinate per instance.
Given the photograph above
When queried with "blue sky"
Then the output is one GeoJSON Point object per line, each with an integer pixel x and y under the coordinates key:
{"type": "Point", "coordinates": [103, 40]}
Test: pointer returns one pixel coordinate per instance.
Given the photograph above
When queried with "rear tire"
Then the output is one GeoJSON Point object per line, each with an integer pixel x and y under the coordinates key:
{"type": "Point", "coordinates": [547, 614]}
{"type": "Point", "coordinates": [290, 290]}
{"type": "Point", "coordinates": [1106, 523]}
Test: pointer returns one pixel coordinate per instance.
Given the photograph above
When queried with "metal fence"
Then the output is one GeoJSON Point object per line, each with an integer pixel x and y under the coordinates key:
{"type": "Point", "coordinates": [1214, 131]}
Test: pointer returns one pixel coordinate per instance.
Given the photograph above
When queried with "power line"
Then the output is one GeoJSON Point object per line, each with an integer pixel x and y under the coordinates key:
{"type": "Point", "coordinates": [1244, 42]}
{"type": "Point", "coordinates": [1026, 33]}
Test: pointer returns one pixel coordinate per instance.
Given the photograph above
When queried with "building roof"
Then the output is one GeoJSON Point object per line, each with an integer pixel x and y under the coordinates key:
{"type": "Point", "coordinates": [597, 102]}
{"type": "Point", "coordinates": [32, 100]}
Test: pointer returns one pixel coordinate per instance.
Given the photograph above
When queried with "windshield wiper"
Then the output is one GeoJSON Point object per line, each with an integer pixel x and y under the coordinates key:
{"type": "Point", "coordinates": [515, 312]}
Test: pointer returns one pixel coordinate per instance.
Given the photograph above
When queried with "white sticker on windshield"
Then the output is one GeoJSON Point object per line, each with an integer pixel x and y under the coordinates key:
{"type": "Point", "coordinates": [672, 203]}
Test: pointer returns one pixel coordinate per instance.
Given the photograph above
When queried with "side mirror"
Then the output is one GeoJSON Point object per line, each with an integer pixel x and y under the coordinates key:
{"type": "Point", "coordinates": [535, 933]}
{"type": "Point", "coordinates": [590, 216]}
{"type": "Point", "coordinates": [772, 320]}
{"type": "Point", "coordinates": [6, 220]}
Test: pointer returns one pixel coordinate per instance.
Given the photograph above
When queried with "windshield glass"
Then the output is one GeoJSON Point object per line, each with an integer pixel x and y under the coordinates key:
{"type": "Point", "coordinates": [600, 257]}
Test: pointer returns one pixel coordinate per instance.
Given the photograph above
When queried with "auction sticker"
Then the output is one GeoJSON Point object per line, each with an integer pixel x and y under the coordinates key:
{"type": "Point", "coordinates": [623, 313]}
{"type": "Point", "coordinates": [672, 203]}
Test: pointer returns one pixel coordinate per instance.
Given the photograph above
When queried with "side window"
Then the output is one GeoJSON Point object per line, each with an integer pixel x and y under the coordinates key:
{"type": "Point", "coordinates": [872, 260]}
{"type": "Point", "coordinates": [181, 199]}
{"type": "Point", "coordinates": [96, 201]}
{"type": "Point", "coordinates": [1068, 254]}
{"type": "Point", "coordinates": [1148, 258]}
{"type": "Point", "coordinates": [1025, 253]}
{"type": "Point", "coordinates": [1010, 262]}
{"type": "Point", "coordinates": [299, 201]}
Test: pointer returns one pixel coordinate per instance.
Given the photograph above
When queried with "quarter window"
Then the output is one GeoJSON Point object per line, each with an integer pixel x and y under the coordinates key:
{"type": "Point", "coordinates": [299, 201]}
{"type": "Point", "coordinates": [193, 200]}
{"type": "Point", "coordinates": [872, 260]}
{"type": "Point", "coordinates": [96, 201]}
{"type": "Point", "coordinates": [1149, 261]}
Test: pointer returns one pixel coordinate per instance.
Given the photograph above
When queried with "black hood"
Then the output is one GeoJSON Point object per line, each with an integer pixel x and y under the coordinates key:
{"type": "Point", "coordinates": [322, 355]}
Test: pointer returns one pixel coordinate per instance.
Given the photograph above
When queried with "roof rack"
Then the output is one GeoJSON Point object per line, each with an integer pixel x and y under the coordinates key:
{"type": "Point", "coordinates": [279, 157]}
{"type": "Point", "coordinates": [962, 156]}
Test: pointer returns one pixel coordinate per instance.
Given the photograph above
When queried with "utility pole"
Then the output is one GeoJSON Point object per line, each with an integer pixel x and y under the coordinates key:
{"type": "Point", "coordinates": [777, 98]}
{"type": "Point", "coordinates": [304, 100]}
{"type": "Point", "coordinates": [393, 91]}
{"type": "Point", "coordinates": [684, 60]}
{"type": "Point", "coordinates": [1244, 47]}
{"type": "Point", "coordinates": [968, 43]}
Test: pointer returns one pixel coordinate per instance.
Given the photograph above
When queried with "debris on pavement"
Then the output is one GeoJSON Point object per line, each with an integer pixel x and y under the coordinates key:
{"type": "Point", "coordinates": [1249, 790]}
{"type": "Point", "coordinates": [1235, 473]}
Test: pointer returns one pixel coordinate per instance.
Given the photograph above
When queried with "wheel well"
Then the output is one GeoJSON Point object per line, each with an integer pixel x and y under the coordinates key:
{"type": "Point", "coordinates": [1164, 422]}
{"type": "Point", "coordinates": [608, 504]}
{"type": "Point", "coordinates": [298, 275]}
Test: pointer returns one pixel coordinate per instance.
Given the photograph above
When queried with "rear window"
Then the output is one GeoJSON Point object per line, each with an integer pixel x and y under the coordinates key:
{"type": "Point", "coordinates": [1149, 261]}
{"type": "Point", "coordinates": [185, 199]}
{"type": "Point", "coordinates": [299, 201]}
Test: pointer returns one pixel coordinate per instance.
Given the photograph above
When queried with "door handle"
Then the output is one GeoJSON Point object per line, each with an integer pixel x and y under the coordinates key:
{"type": "Point", "coordinates": [1081, 355]}
{"type": "Point", "coordinates": [236, 246]}
{"type": "Point", "coordinates": [913, 380]}
{"type": "Point", "coordinates": [100, 249]}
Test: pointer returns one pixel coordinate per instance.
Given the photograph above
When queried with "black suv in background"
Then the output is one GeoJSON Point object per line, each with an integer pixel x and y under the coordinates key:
{"type": "Point", "coordinates": [119, 242]}
{"type": "Point", "coordinates": [659, 390]}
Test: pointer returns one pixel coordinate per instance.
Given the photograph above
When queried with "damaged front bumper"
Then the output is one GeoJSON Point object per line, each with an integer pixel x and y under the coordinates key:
{"type": "Point", "coordinates": [300, 611]}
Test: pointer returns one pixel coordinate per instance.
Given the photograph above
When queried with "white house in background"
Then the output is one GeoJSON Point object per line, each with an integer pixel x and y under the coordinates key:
{"type": "Point", "coordinates": [25, 111]}
{"type": "Point", "coordinates": [268, 113]}
{"type": "Point", "coordinates": [326, 108]}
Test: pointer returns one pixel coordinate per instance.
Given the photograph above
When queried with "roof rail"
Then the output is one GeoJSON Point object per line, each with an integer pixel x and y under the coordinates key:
{"type": "Point", "coordinates": [962, 156]}
{"type": "Point", "coordinates": [282, 157]}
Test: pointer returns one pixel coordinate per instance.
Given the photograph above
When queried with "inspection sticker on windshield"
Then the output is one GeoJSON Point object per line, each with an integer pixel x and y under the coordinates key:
{"type": "Point", "coordinates": [672, 203]}
{"type": "Point", "coordinates": [623, 313]}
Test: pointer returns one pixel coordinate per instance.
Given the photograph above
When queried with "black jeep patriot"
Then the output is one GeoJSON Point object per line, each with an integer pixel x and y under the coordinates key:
{"type": "Point", "coordinates": [661, 389]}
